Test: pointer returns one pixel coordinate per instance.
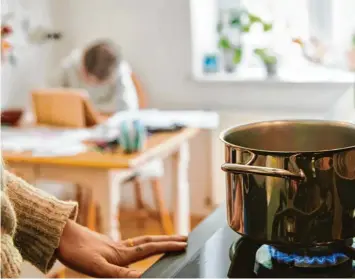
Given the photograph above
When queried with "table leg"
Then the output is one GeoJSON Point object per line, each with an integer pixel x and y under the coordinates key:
{"type": "Point", "coordinates": [181, 190]}
{"type": "Point", "coordinates": [108, 198]}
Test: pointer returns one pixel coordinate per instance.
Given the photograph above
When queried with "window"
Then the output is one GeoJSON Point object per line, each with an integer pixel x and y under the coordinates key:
{"type": "Point", "coordinates": [255, 33]}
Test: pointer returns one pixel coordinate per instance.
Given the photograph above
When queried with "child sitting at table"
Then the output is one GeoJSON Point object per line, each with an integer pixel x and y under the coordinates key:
{"type": "Point", "coordinates": [102, 72]}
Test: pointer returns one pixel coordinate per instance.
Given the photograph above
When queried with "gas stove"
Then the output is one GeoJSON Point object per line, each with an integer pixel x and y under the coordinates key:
{"type": "Point", "coordinates": [267, 261]}
{"type": "Point", "coordinates": [228, 255]}
{"type": "Point", "coordinates": [215, 251]}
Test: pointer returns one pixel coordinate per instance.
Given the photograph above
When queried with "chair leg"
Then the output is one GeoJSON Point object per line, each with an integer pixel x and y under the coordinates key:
{"type": "Point", "coordinates": [80, 199]}
{"type": "Point", "coordinates": [88, 214]}
{"type": "Point", "coordinates": [139, 202]}
{"type": "Point", "coordinates": [91, 213]}
{"type": "Point", "coordinates": [165, 218]}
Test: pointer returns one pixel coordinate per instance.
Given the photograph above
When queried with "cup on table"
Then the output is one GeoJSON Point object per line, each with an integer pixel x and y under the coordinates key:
{"type": "Point", "coordinates": [132, 136]}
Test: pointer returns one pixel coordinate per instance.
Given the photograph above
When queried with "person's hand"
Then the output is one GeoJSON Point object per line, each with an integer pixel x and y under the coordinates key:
{"type": "Point", "coordinates": [98, 256]}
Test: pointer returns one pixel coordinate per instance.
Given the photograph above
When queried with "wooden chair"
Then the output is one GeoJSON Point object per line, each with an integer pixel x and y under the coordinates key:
{"type": "Point", "coordinates": [64, 107]}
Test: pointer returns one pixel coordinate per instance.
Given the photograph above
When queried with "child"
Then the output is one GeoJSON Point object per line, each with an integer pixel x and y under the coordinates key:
{"type": "Point", "coordinates": [101, 71]}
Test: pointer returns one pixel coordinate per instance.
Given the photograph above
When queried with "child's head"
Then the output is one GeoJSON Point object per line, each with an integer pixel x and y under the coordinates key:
{"type": "Point", "coordinates": [100, 62]}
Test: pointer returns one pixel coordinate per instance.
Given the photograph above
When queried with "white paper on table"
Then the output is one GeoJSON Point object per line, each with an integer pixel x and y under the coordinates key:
{"type": "Point", "coordinates": [45, 133]}
{"type": "Point", "coordinates": [70, 149]}
{"type": "Point", "coordinates": [19, 144]}
{"type": "Point", "coordinates": [164, 119]}
{"type": "Point", "coordinates": [45, 141]}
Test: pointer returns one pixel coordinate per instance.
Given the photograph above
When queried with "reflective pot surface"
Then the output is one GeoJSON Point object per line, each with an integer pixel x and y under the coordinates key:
{"type": "Point", "coordinates": [291, 182]}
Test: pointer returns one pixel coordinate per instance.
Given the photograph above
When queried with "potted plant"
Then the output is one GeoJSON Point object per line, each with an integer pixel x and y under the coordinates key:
{"type": "Point", "coordinates": [239, 22]}
{"type": "Point", "coordinates": [269, 60]}
{"type": "Point", "coordinates": [232, 55]}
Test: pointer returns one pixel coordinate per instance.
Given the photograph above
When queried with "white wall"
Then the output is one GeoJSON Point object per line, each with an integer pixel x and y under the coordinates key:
{"type": "Point", "coordinates": [344, 20]}
{"type": "Point", "coordinates": [204, 42]}
{"type": "Point", "coordinates": [156, 39]}
{"type": "Point", "coordinates": [33, 61]}
{"type": "Point", "coordinates": [16, 80]}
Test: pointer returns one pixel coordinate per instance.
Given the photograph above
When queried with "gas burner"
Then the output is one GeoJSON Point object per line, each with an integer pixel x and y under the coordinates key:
{"type": "Point", "coordinates": [307, 260]}
{"type": "Point", "coordinates": [249, 259]}
{"type": "Point", "coordinates": [271, 262]}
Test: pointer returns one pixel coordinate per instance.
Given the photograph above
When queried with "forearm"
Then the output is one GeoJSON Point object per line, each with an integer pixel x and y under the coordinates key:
{"type": "Point", "coordinates": [72, 234]}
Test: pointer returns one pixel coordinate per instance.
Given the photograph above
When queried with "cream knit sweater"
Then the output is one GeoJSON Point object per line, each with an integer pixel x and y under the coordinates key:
{"type": "Point", "coordinates": [31, 225]}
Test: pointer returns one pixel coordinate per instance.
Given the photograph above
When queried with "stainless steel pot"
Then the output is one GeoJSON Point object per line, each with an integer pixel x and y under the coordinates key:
{"type": "Point", "coordinates": [291, 182]}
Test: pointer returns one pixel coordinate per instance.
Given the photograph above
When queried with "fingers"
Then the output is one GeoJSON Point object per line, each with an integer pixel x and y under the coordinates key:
{"type": "Point", "coordinates": [146, 246]}
{"type": "Point", "coordinates": [122, 272]}
{"type": "Point", "coordinates": [143, 251]}
{"type": "Point", "coordinates": [153, 238]}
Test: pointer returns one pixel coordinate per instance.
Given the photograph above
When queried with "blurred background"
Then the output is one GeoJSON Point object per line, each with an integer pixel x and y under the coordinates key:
{"type": "Point", "coordinates": [243, 60]}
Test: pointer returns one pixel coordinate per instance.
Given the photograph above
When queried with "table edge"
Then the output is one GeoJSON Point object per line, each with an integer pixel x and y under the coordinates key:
{"type": "Point", "coordinates": [65, 161]}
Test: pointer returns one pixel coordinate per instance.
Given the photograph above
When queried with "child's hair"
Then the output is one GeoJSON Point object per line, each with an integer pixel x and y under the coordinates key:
{"type": "Point", "coordinates": [101, 59]}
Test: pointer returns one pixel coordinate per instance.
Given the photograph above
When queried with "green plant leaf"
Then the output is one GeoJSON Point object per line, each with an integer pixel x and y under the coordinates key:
{"type": "Point", "coordinates": [266, 58]}
{"type": "Point", "coordinates": [260, 51]}
{"type": "Point", "coordinates": [246, 28]}
{"type": "Point", "coordinates": [237, 55]}
{"type": "Point", "coordinates": [224, 43]}
{"type": "Point", "coordinates": [270, 59]}
{"type": "Point", "coordinates": [254, 18]}
{"type": "Point", "coordinates": [267, 27]}
{"type": "Point", "coordinates": [353, 40]}
{"type": "Point", "coordinates": [235, 22]}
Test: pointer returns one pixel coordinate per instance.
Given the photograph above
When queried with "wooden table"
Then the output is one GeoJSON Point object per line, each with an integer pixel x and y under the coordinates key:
{"type": "Point", "coordinates": [104, 173]}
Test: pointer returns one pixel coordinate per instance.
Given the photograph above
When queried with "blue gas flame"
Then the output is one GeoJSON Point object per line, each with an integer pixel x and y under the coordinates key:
{"type": "Point", "coordinates": [293, 258]}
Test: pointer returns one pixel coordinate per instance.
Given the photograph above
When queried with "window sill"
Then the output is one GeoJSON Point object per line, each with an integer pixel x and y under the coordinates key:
{"type": "Point", "coordinates": [304, 75]}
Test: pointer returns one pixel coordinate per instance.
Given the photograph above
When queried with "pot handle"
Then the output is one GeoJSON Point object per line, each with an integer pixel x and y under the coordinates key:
{"type": "Point", "coordinates": [237, 168]}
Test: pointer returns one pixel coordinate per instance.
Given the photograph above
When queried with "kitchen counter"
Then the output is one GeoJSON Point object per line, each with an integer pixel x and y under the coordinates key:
{"type": "Point", "coordinates": [170, 265]}
{"type": "Point", "coordinates": [208, 256]}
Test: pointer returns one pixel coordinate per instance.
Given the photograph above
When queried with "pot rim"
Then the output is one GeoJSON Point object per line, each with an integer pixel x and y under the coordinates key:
{"type": "Point", "coordinates": [232, 129]}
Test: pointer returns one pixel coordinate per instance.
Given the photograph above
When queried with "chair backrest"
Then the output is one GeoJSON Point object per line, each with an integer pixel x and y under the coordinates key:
{"type": "Point", "coordinates": [69, 107]}
{"type": "Point", "coordinates": [64, 107]}
{"type": "Point", "coordinates": [141, 94]}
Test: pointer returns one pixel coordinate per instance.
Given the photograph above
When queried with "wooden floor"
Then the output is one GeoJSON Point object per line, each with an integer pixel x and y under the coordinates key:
{"type": "Point", "coordinates": [131, 228]}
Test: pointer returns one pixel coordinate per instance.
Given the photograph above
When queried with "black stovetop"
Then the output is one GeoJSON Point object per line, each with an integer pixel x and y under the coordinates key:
{"type": "Point", "coordinates": [208, 255]}
{"type": "Point", "coordinates": [213, 261]}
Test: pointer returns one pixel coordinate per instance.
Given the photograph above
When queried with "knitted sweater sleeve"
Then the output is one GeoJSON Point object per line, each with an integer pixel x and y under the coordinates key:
{"type": "Point", "coordinates": [11, 259]}
{"type": "Point", "coordinates": [40, 221]}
